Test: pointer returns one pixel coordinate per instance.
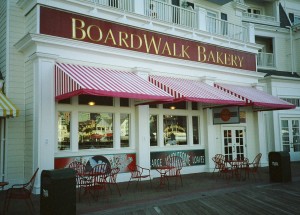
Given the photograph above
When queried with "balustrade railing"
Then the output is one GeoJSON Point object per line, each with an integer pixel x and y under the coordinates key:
{"type": "Point", "coordinates": [224, 28]}
{"type": "Point", "coordinates": [126, 5]}
{"type": "Point", "coordinates": [187, 17]}
{"type": "Point", "coordinates": [265, 59]}
{"type": "Point", "coordinates": [259, 17]}
{"type": "Point", "coordinates": [170, 13]}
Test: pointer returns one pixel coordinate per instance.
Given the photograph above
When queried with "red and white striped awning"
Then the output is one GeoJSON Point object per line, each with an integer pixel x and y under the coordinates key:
{"type": "Point", "coordinates": [260, 100]}
{"type": "Point", "coordinates": [194, 91]}
{"type": "Point", "coordinates": [72, 80]}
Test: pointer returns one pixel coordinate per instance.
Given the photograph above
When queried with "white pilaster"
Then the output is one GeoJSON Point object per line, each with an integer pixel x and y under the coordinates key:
{"type": "Point", "coordinates": [142, 136]}
{"type": "Point", "coordinates": [44, 134]}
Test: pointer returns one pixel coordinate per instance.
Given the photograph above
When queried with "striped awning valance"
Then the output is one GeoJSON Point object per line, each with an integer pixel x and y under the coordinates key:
{"type": "Point", "coordinates": [7, 108]}
{"type": "Point", "coordinates": [260, 100]}
{"type": "Point", "coordinates": [72, 80]}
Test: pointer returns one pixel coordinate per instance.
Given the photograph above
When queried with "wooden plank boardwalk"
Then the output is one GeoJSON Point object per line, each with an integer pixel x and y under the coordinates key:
{"type": "Point", "coordinates": [200, 194]}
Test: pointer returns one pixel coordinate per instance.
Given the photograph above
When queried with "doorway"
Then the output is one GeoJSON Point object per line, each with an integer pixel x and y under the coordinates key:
{"type": "Point", "coordinates": [290, 137]}
{"type": "Point", "coordinates": [234, 142]}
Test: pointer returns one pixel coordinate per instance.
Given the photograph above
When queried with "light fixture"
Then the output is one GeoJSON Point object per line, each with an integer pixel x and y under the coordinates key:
{"type": "Point", "coordinates": [172, 107]}
{"type": "Point", "coordinates": [1, 81]}
{"type": "Point", "coordinates": [91, 103]}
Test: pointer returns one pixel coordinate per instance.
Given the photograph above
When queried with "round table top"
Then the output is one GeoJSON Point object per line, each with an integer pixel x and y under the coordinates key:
{"type": "Point", "coordinates": [3, 183]}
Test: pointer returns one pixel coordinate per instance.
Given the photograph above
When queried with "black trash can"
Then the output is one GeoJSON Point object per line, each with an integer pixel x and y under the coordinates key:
{"type": "Point", "coordinates": [58, 192]}
{"type": "Point", "coordinates": [280, 167]}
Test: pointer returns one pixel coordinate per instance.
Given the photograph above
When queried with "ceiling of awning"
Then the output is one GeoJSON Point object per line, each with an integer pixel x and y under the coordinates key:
{"type": "Point", "coordinates": [194, 91]}
{"type": "Point", "coordinates": [72, 80]}
{"type": "Point", "coordinates": [7, 108]}
{"type": "Point", "coordinates": [260, 100]}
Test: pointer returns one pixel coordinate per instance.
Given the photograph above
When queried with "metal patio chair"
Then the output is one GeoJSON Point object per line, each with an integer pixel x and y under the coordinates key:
{"type": "Point", "coordinates": [138, 173]}
{"type": "Point", "coordinates": [21, 191]}
{"type": "Point", "coordinates": [175, 163]}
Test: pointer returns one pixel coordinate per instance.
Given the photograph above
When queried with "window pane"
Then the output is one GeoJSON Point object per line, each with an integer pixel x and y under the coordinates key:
{"type": "Point", "coordinates": [175, 130]}
{"type": "Point", "coordinates": [124, 102]}
{"type": "Point", "coordinates": [195, 130]}
{"type": "Point", "coordinates": [98, 100]}
{"type": "Point", "coordinates": [194, 106]}
{"type": "Point", "coordinates": [153, 130]}
{"type": "Point", "coordinates": [64, 119]}
{"type": "Point", "coordinates": [124, 120]}
{"type": "Point", "coordinates": [95, 130]}
{"type": "Point", "coordinates": [65, 101]}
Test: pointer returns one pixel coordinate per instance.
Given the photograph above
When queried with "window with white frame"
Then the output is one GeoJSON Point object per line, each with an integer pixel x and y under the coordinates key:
{"type": "Point", "coordinates": [174, 124]}
{"type": "Point", "coordinates": [92, 123]}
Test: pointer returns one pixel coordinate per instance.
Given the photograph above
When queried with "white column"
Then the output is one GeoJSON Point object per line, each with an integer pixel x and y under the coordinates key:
{"type": "Point", "coordinates": [142, 136]}
{"type": "Point", "coordinates": [262, 145]}
{"type": "Point", "coordinates": [251, 33]}
{"type": "Point", "coordinates": [201, 19]}
{"type": "Point", "coordinates": [44, 134]}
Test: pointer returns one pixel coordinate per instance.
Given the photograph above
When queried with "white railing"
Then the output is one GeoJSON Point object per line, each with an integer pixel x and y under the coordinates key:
{"type": "Point", "coordinates": [158, 10]}
{"type": "Point", "coordinates": [224, 28]}
{"type": "Point", "coordinates": [126, 5]}
{"type": "Point", "coordinates": [259, 17]}
{"type": "Point", "coordinates": [240, 1]}
{"type": "Point", "coordinates": [170, 13]}
{"type": "Point", "coordinates": [265, 59]}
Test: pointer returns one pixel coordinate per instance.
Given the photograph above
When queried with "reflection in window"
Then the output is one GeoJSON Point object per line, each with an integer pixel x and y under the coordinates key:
{"type": "Point", "coordinates": [195, 130]}
{"type": "Point", "coordinates": [64, 119]}
{"type": "Point", "coordinates": [124, 120]}
{"type": "Point", "coordinates": [175, 130]}
{"type": "Point", "coordinates": [153, 130]}
{"type": "Point", "coordinates": [242, 117]}
{"type": "Point", "coordinates": [95, 130]}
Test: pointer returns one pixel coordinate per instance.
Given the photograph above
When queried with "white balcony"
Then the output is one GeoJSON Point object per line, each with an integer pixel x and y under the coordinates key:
{"type": "Point", "coordinates": [262, 19]}
{"type": "Point", "coordinates": [265, 60]}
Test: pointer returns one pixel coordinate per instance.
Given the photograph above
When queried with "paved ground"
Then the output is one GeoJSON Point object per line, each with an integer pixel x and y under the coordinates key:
{"type": "Point", "coordinates": [200, 194]}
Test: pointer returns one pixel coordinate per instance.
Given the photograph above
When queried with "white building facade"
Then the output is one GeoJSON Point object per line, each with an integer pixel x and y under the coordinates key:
{"type": "Point", "coordinates": [124, 82]}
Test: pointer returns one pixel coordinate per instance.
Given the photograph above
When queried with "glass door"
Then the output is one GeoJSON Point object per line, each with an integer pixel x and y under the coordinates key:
{"type": "Point", "coordinates": [234, 142]}
{"type": "Point", "coordinates": [290, 137]}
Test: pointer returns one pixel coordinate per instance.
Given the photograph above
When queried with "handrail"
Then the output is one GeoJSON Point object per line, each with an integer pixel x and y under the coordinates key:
{"type": "Point", "coordinates": [265, 59]}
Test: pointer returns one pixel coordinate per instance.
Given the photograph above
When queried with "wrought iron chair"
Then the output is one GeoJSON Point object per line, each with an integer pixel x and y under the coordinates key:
{"type": "Point", "coordinates": [253, 166]}
{"type": "Point", "coordinates": [21, 191]}
{"type": "Point", "coordinates": [216, 159]}
{"type": "Point", "coordinates": [83, 179]}
{"type": "Point", "coordinates": [138, 173]}
{"type": "Point", "coordinates": [99, 174]}
{"type": "Point", "coordinates": [175, 163]}
{"type": "Point", "coordinates": [112, 178]}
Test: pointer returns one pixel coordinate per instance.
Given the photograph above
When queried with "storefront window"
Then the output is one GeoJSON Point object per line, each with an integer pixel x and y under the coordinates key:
{"type": "Point", "coordinates": [95, 130]}
{"type": "Point", "coordinates": [175, 130]}
{"type": "Point", "coordinates": [153, 130]}
{"type": "Point", "coordinates": [124, 120]}
{"type": "Point", "coordinates": [195, 130]}
{"type": "Point", "coordinates": [64, 119]}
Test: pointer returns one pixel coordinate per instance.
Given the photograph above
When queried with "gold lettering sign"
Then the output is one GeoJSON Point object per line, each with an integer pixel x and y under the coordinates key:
{"type": "Point", "coordinates": [112, 34]}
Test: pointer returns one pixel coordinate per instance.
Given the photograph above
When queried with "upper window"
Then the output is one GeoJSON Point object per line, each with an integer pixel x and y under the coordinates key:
{"type": "Point", "coordinates": [95, 100]}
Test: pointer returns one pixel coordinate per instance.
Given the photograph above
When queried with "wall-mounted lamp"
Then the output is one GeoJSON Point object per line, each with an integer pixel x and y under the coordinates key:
{"type": "Point", "coordinates": [172, 107]}
{"type": "Point", "coordinates": [1, 81]}
{"type": "Point", "coordinates": [91, 103]}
